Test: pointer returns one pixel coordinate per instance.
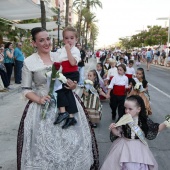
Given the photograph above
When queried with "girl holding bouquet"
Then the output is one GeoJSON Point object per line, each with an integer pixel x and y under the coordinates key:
{"type": "Point", "coordinates": [140, 87]}
{"type": "Point", "coordinates": [91, 97]}
{"type": "Point", "coordinates": [130, 150]}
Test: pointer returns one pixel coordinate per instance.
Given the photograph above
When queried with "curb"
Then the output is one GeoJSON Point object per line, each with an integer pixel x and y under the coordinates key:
{"type": "Point", "coordinates": [163, 67]}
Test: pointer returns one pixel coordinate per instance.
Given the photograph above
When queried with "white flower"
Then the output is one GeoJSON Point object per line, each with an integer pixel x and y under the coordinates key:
{"type": "Point", "coordinates": [61, 77]}
{"type": "Point", "coordinates": [167, 123]}
{"type": "Point", "coordinates": [138, 86]}
{"type": "Point", "coordinates": [88, 82]}
{"type": "Point", "coordinates": [88, 87]}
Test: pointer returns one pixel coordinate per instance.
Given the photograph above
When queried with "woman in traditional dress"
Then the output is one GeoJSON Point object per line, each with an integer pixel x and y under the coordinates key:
{"type": "Point", "coordinates": [42, 145]}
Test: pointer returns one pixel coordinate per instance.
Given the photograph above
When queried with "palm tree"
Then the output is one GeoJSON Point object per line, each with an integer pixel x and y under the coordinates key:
{"type": "Point", "coordinates": [43, 14]}
{"type": "Point", "coordinates": [88, 4]}
{"type": "Point", "coordinates": [67, 12]}
{"type": "Point", "coordinates": [90, 18]}
{"type": "Point", "coordinates": [93, 35]}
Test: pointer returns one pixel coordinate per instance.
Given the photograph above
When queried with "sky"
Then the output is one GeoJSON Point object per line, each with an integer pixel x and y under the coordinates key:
{"type": "Point", "coordinates": [124, 18]}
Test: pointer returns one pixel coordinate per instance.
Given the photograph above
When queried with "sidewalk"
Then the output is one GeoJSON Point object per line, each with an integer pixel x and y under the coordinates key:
{"type": "Point", "coordinates": [164, 67]}
{"type": "Point", "coordinates": [13, 88]}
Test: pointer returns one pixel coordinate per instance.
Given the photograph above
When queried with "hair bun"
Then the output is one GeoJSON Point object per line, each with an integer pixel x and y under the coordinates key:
{"type": "Point", "coordinates": [36, 30]}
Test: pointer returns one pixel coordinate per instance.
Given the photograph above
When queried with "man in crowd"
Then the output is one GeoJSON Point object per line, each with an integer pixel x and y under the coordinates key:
{"type": "Point", "coordinates": [81, 65]}
{"type": "Point", "coordinates": [19, 58]}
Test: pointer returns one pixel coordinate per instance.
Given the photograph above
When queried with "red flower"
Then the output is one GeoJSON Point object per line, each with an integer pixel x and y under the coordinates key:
{"type": "Point", "coordinates": [57, 65]}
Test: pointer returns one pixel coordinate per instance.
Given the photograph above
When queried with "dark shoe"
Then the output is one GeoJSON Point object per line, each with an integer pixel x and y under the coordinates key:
{"type": "Point", "coordinates": [69, 122]}
{"type": "Point", "coordinates": [61, 117]}
{"type": "Point", "coordinates": [94, 125]}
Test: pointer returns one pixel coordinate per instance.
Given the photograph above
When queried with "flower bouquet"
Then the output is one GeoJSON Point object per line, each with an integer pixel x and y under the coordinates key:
{"type": "Point", "coordinates": [61, 77]}
{"type": "Point", "coordinates": [88, 84]}
{"type": "Point", "coordinates": [167, 121]}
{"type": "Point", "coordinates": [139, 87]}
{"type": "Point", "coordinates": [53, 75]}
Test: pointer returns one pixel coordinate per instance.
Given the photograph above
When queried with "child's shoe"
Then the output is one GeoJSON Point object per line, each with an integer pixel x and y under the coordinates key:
{"type": "Point", "coordinates": [61, 117]}
{"type": "Point", "coordinates": [69, 122]}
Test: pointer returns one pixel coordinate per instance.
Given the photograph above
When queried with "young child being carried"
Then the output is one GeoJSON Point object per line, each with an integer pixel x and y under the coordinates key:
{"type": "Point", "coordinates": [68, 57]}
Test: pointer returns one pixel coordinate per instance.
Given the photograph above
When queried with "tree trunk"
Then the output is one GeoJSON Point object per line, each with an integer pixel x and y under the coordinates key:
{"type": "Point", "coordinates": [1, 39]}
{"type": "Point", "coordinates": [67, 12]}
{"type": "Point", "coordinates": [87, 26]}
{"type": "Point", "coordinates": [80, 20]}
{"type": "Point", "coordinates": [43, 14]}
{"type": "Point", "coordinates": [83, 34]}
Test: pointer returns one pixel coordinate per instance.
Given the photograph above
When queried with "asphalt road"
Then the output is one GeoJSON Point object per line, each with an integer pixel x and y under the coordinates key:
{"type": "Point", "coordinates": [12, 106]}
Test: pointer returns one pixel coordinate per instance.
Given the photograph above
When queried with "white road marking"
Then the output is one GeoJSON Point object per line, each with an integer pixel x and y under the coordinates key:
{"type": "Point", "coordinates": [159, 90]}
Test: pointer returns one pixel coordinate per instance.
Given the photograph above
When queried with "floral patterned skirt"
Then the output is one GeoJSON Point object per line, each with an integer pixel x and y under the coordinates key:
{"type": "Point", "coordinates": [42, 145]}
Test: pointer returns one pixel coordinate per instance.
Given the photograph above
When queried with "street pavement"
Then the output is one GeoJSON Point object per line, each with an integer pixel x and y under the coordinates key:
{"type": "Point", "coordinates": [12, 105]}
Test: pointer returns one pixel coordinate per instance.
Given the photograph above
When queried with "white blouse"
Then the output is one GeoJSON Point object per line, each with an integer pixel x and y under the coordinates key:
{"type": "Point", "coordinates": [130, 70]}
{"type": "Point", "coordinates": [61, 54]}
{"type": "Point", "coordinates": [111, 72]}
{"type": "Point", "coordinates": [118, 80]}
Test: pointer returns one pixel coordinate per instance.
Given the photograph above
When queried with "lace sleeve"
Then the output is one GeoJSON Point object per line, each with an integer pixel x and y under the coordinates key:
{"type": "Point", "coordinates": [152, 129]}
{"type": "Point", "coordinates": [26, 80]}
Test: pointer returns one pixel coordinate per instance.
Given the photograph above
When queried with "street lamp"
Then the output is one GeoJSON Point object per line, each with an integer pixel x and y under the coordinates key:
{"type": "Point", "coordinates": [166, 18]}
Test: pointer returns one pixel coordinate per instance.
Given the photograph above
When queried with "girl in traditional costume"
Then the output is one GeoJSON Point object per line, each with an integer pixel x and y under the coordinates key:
{"type": "Point", "coordinates": [91, 97]}
{"type": "Point", "coordinates": [130, 150]}
{"type": "Point", "coordinates": [140, 87]}
{"type": "Point", "coordinates": [41, 144]}
{"type": "Point", "coordinates": [101, 75]}
{"type": "Point", "coordinates": [106, 65]}
{"type": "Point", "coordinates": [100, 70]}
